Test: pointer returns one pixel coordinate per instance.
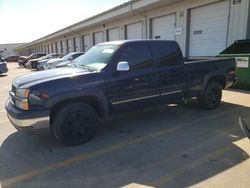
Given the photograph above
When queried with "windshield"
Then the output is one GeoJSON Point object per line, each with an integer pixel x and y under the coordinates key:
{"type": "Point", "coordinates": [67, 57]}
{"type": "Point", "coordinates": [97, 57]}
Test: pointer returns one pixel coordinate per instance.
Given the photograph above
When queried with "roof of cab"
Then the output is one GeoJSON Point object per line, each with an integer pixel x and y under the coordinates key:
{"type": "Point", "coordinates": [120, 42]}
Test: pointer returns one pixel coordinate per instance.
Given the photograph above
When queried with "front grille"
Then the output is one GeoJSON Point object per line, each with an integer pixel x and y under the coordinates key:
{"type": "Point", "coordinates": [13, 89]}
{"type": "Point", "coordinates": [12, 94]}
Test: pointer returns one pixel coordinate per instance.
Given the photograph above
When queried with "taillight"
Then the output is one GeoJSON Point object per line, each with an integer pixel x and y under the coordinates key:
{"type": "Point", "coordinates": [231, 72]}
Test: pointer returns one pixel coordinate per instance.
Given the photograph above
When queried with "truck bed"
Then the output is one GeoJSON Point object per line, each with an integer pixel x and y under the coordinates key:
{"type": "Point", "coordinates": [200, 70]}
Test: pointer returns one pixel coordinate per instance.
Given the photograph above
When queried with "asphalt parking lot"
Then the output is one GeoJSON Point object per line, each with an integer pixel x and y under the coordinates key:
{"type": "Point", "coordinates": [169, 146]}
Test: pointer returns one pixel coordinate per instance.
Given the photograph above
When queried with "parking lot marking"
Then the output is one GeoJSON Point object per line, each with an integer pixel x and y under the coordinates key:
{"type": "Point", "coordinates": [180, 171]}
{"type": "Point", "coordinates": [86, 156]}
{"type": "Point", "coordinates": [2, 110]}
{"type": "Point", "coordinates": [97, 153]}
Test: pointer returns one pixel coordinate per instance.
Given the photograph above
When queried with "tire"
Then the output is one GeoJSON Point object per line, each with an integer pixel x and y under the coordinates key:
{"type": "Point", "coordinates": [75, 124]}
{"type": "Point", "coordinates": [211, 97]}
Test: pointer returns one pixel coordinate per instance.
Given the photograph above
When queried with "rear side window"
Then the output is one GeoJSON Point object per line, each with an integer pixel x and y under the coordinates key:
{"type": "Point", "coordinates": [165, 53]}
{"type": "Point", "coordinates": [76, 56]}
{"type": "Point", "coordinates": [138, 56]}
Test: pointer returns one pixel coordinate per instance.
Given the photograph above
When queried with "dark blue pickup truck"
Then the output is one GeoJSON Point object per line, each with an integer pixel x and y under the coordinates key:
{"type": "Point", "coordinates": [3, 66]}
{"type": "Point", "coordinates": [112, 78]}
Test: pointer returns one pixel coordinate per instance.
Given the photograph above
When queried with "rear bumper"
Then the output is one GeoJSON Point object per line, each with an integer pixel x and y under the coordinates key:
{"type": "Point", "coordinates": [35, 122]}
{"type": "Point", "coordinates": [3, 70]}
{"type": "Point", "coordinates": [231, 81]}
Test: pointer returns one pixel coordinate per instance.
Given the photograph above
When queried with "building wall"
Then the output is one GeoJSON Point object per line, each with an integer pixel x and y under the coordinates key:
{"type": "Point", "coordinates": [238, 24]}
{"type": "Point", "coordinates": [9, 49]}
{"type": "Point", "coordinates": [248, 27]}
{"type": "Point", "coordinates": [238, 21]}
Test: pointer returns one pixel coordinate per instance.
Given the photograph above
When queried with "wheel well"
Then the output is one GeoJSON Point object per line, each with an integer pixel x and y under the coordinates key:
{"type": "Point", "coordinates": [220, 80]}
{"type": "Point", "coordinates": [90, 100]}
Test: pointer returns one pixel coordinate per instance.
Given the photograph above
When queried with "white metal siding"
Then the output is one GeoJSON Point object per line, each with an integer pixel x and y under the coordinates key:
{"type": "Point", "coordinates": [164, 27]}
{"type": "Point", "coordinates": [134, 31]}
{"type": "Point", "coordinates": [114, 34]}
{"type": "Point", "coordinates": [86, 42]}
{"type": "Point", "coordinates": [208, 29]}
{"type": "Point", "coordinates": [98, 38]}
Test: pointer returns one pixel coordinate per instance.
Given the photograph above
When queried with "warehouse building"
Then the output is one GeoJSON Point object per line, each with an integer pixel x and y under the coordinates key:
{"type": "Point", "coordinates": [201, 27]}
{"type": "Point", "coordinates": [9, 49]}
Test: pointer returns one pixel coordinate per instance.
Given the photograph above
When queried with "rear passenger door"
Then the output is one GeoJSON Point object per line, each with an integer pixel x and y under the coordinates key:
{"type": "Point", "coordinates": [171, 71]}
{"type": "Point", "coordinates": [137, 87]}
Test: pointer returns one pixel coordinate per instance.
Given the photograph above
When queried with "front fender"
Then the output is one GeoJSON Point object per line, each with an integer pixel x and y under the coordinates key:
{"type": "Point", "coordinates": [96, 93]}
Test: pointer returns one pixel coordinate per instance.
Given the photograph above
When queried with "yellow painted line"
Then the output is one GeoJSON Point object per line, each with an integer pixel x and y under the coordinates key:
{"type": "Point", "coordinates": [85, 156]}
{"type": "Point", "coordinates": [97, 153]}
{"type": "Point", "coordinates": [180, 171]}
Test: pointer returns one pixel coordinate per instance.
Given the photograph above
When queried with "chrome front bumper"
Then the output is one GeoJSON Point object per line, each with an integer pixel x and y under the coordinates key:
{"type": "Point", "coordinates": [27, 121]}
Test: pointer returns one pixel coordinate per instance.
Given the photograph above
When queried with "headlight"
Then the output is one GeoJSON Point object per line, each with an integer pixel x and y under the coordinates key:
{"type": "Point", "coordinates": [22, 104]}
{"type": "Point", "coordinates": [22, 93]}
{"type": "Point", "coordinates": [21, 101]}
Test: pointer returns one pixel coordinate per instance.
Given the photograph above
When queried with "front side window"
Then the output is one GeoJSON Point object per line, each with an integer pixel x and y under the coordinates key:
{"type": "Point", "coordinates": [137, 56]}
{"type": "Point", "coordinates": [76, 56]}
{"type": "Point", "coordinates": [97, 57]}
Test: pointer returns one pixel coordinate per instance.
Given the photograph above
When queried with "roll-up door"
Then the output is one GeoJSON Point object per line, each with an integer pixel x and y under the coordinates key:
{"type": "Point", "coordinates": [208, 29]}
{"type": "Point", "coordinates": [86, 42]}
{"type": "Point", "coordinates": [134, 31]}
{"type": "Point", "coordinates": [113, 34]}
{"type": "Point", "coordinates": [164, 27]}
{"type": "Point", "coordinates": [77, 44]}
{"type": "Point", "coordinates": [98, 38]}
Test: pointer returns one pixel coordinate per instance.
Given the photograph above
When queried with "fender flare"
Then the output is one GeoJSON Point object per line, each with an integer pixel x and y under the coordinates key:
{"type": "Point", "coordinates": [98, 94]}
{"type": "Point", "coordinates": [209, 76]}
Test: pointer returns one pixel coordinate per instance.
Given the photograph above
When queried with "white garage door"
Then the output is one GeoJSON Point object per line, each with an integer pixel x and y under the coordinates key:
{"type": "Point", "coordinates": [134, 31]}
{"type": "Point", "coordinates": [64, 47]}
{"type": "Point", "coordinates": [164, 27]}
{"type": "Point", "coordinates": [86, 42]}
{"type": "Point", "coordinates": [113, 34]}
{"type": "Point", "coordinates": [77, 44]}
{"type": "Point", "coordinates": [98, 38]}
{"type": "Point", "coordinates": [59, 46]}
{"type": "Point", "coordinates": [208, 29]}
{"type": "Point", "coordinates": [48, 49]}
{"type": "Point", "coordinates": [69, 45]}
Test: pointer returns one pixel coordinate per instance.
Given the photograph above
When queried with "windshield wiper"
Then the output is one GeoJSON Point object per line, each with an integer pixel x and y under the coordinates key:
{"type": "Point", "coordinates": [82, 66]}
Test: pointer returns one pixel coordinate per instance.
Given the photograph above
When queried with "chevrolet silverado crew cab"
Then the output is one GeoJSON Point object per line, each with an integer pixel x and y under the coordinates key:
{"type": "Point", "coordinates": [112, 78]}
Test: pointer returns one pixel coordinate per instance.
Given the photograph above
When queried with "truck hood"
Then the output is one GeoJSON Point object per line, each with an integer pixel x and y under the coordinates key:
{"type": "Point", "coordinates": [23, 57]}
{"type": "Point", "coordinates": [28, 80]}
{"type": "Point", "coordinates": [63, 64]}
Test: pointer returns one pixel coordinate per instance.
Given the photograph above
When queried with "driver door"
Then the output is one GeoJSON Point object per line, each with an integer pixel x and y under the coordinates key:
{"type": "Point", "coordinates": [137, 87]}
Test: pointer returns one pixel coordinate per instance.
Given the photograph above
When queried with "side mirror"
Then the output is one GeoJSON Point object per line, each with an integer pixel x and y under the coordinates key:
{"type": "Point", "coordinates": [123, 66]}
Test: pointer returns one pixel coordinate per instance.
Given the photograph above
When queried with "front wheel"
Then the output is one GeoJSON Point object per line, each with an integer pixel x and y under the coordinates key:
{"type": "Point", "coordinates": [75, 124]}
{"type": "Point", "coordinates": [211, 97]}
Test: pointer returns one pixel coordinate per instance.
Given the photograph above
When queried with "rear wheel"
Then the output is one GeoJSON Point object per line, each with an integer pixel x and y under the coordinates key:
{"type": "Point", "coordinates": [211, 97]}
{"type": "Point", "coordinates": [75, 124]}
